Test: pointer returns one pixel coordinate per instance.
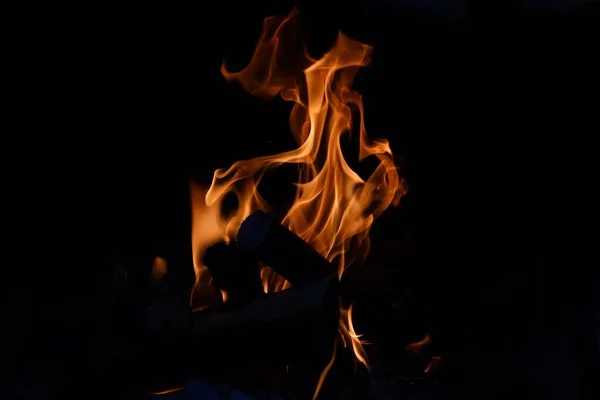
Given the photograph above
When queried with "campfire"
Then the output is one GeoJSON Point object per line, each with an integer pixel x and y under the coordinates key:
{"type": "Point", "coordinates": [266, 293]}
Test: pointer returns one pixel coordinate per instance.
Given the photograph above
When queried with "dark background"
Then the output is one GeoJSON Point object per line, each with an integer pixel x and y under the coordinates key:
{"type": "Point", "coordinates": [490, 108]}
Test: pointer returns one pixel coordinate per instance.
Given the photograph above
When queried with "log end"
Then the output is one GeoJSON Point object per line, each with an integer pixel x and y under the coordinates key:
{"type": "Point", "coordinates": [254, 230]}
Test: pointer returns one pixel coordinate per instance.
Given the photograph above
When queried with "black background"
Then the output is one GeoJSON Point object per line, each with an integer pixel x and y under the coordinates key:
{"type": "Point", "coordinates": [492, 114]}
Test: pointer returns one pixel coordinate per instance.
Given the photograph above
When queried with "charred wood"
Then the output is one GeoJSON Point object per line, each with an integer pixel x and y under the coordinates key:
{"type": "Point", "coordinates": [282, 250]}
{"type": "Point", "coordinates": [235, 272]}
{"type": "Point", "coordinates": [297, 325]}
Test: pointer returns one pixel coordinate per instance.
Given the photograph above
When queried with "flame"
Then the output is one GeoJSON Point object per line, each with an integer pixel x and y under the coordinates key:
{"type": "Point", "coordinates": [347, 331]}
{"type": "Point", "coordinates": [417, 347]}
{"type": "Point", "coordinates": [325, 371]}
{"type": "Point", "coordinates": [159, 269]}
{"type": "Point", "coordinates": [207, 229]}
{"type": "Point", "coordinates": [434, 364]}
{"type": "Point", "coordinates": [333, 207]}
{"type": "Point", "coordinates": [178, 389]}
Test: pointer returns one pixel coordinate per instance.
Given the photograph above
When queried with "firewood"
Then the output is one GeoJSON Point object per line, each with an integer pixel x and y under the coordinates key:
{"type": "Point", "coordinates": [297, 325]}
{"type": "Point", "coordinates": [282, 250]}
{"type": "Point", "coordinates": [235, 272]}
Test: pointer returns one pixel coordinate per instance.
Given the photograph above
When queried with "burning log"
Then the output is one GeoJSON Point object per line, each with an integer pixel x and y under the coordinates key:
{"type": "Point", "coordinates": [272, 307]}
{"type": "Point", "coordinates": [297, 325]}
{"type": "Point", "coordinates": [234, 272]}
{"type": "Point", "coordinates": [282, 250]}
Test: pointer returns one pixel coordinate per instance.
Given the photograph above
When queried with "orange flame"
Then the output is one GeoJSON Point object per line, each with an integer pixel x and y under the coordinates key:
{"type": "Point", "coordinates": [159, 269]}
{"type": "Point", "coordinates": [334, 207]}
{"type": "Point", "coordinates": [417, 347]}
{"type": "Point", "coordinates": [347, 331]}
{"type": "Point", "coordinates": [207, 229]}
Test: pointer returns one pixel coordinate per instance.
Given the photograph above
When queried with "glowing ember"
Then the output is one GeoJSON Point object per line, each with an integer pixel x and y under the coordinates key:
{"type": "Point", "coordinates": [334, 207]}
